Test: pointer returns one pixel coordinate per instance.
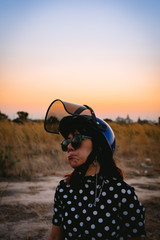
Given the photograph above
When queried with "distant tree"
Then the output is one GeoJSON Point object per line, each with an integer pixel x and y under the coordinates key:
{"type": "Point", "coordinates": [3, 116]}
{"type": "Point", "coordinates": [22, 115]}
{"type": "Point", "coordinates": [108, 120]}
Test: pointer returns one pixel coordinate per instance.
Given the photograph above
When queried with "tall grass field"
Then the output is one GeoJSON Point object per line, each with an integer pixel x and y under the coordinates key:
{"type": "Point", "coordinates": [27, 151]}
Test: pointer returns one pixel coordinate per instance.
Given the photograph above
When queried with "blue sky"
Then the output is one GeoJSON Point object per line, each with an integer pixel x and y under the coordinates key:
{"type": "Point", "coordinates": [101, 53]}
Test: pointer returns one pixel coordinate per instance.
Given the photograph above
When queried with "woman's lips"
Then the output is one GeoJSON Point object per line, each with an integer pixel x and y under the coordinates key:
{"type": "Point", "coordinates": [71, 156]}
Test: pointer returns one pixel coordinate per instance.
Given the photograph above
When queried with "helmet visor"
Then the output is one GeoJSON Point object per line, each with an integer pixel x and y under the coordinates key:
{"type": "Point", "coordinates": [60, 109]}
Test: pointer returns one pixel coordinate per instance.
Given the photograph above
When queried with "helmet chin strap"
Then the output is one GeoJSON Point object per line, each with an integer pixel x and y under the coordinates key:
{"type": "Point", "coordinates": [80, 171]}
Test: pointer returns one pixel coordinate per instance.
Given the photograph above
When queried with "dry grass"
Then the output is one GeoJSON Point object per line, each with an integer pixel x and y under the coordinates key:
{"type": "Point", "coordinates": [26, 150]}
{"type": "Point", "coordinates": [138, 147]}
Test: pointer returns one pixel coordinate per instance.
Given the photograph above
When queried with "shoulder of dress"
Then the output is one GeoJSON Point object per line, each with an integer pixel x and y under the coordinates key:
{"type": "Point", "coordinates": [119, 184]}
{"type": "Point", "coordinates": [63, 184]}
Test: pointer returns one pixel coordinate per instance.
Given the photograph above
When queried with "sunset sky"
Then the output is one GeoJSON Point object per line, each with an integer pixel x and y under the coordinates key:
{"type": "Point", "coordinates": [102, 53]}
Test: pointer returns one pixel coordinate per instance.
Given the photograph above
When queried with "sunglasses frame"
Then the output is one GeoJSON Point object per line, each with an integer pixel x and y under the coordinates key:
{"type": "Point", "coordinates": [80, 136]}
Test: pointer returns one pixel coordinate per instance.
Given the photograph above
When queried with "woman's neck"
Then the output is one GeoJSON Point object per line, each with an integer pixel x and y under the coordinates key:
{"type": "Point", "coordinates": [93, 169]}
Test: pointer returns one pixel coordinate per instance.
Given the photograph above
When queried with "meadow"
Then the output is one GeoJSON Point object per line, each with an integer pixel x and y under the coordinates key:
{"type": "Point", "coordinates": [32, 164]}
{"type": "Point", "coordinates": [27, 151]}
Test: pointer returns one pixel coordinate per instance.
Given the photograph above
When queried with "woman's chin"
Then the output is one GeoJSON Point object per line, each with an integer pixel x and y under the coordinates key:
{"type": "Point", "coordinates": [73, 164]}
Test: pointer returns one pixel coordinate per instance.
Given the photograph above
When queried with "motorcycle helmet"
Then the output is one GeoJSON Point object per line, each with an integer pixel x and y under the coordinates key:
{"type": "Point", "coordinates": [61, 116]}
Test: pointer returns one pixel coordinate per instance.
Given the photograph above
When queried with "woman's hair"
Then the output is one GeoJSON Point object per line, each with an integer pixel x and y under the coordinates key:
{"type": "Point", "coordinates": [104, 155]}
{"type": "Point", "coordinates": [101, 151]}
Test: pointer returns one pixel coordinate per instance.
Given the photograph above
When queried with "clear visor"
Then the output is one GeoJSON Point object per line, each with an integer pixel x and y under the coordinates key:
{"type": "Point", "coordinates": [60, 109]}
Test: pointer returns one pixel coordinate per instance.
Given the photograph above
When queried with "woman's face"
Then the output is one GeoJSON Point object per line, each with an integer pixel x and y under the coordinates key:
{"type": "Point", "coordinates": [77, 157]}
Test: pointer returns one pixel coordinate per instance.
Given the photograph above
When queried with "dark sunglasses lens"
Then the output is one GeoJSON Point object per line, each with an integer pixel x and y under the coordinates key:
{"type": "Point", "coordinates": [76, 141]}
{"type": "Point", "coordinates": [64, 145]}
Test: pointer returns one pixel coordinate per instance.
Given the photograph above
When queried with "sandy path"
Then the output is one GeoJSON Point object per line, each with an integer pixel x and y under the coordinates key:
{"type": "Point", "coordinates": [26, 207]}
{"type": "Point", "coordinates": [43, 189]}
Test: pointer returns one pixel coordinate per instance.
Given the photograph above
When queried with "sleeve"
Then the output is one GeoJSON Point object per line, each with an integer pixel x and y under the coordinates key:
{"type": "Point", "coordinates": [132, 214]}
{"type": "Point", "coordinates": [57, 211]}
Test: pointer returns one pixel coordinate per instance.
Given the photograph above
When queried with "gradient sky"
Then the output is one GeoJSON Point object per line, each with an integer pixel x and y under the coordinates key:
{"type": "Point", "coordinates": [102, 53]}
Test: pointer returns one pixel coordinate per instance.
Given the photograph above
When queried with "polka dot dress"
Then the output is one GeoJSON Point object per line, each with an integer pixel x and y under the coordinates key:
{"type": "Point", "coordinates": [115, 214]}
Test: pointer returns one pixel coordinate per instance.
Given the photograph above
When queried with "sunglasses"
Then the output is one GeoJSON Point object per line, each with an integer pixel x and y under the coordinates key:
{"type": "Point", "coordinates": [75, 142]}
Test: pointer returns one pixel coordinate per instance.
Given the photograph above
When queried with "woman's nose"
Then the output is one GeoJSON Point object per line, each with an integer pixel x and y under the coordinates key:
{"type": "Point", "coordinates": [70, 147]}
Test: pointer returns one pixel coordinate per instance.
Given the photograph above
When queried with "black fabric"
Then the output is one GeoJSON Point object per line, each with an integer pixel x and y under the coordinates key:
{"type": "Point", "coordinates": [80, 171]}
{"type": "Point", "coordinates": [117, 215]}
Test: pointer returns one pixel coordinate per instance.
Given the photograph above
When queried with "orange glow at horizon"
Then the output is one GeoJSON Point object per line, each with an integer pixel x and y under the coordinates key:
{"type": "Point", "coordinates": [108, 59]}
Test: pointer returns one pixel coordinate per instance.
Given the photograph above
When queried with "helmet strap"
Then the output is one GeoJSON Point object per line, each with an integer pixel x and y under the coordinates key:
{"type": "Point", "coordinates": [80, 171]}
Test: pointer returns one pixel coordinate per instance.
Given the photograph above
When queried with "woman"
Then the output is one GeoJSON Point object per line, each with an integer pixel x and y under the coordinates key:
{"type": "Point", "coordinates": [93, 202]}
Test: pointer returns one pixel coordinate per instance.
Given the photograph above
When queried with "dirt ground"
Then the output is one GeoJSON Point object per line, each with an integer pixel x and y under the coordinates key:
{"type": "Point", "coordinates": [26, 207]}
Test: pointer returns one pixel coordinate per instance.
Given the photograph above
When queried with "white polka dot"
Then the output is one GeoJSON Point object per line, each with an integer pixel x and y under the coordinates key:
{"type": "Point", "coordinates": [114, 209]}
{"type": "Point", "coordinates": [69, 202]}
{"type": "Point", "coordinates": [140, 224]}
{"type": "Point", "coordinates": [88, 218]}
{"type": "Point", "coordinates": [79, 204]}
{"type": "Point", "coordinates": [103, 194]}
{"type": "Point", "coordinates": [113, 221]}
{"type": "Point", "coordinates": [92, 192]}
{"type": "Point", "coordinates": [119, 204]}
{"type": "Point", "coordinates": [75, 229]}
{"type": "Point", "coordinates": [80, 191]}
{"type": "Point", "coordinates": [75, 197]}
{"type": "Point", "coordinates": [127, 224]}
{"type": "Point", "coordinates": [86, 232]}
{"type": "Point", "coordinates": [86, 185]}
{"type": "Point", "coordinates": [65, 196]}
{"type": "Point", "coordinates": [102, 207]}
{"type": "Point", "coordinates": [115, 195]}
{"type": "Point", "coordinates": [84, 211]}
{"type": "Point", "coordinates": [109, 201]}
{"type": "Point", "coordinates": [106, 228]}
{"type": "Point", "coordinates": [55, 220]}
{"type": "Point", "coordinates": [66, 214]}
{"type": "Point", "coordinates": [129, 191]}
{"type": "Point", "coordinates": [85, 198]}
{"type": "Point", "coordinates": [123, 191]}
{"type": "Point", "coordinates": [69, 221]}
{"type": "Point", "coordinates": [81, 224]}
{"type": "Point", "coordinates": [99, 234]}
{"type": "Point", "coordinates": [76, 216]}
{"type": "Point", "coordinates": [61, 190]}
{"type": "Point", "coordinates": [135, 230]}
{"type": "Point", "coordinates": [118, 227]}
{"type": "Point", "coordinates": [111, 188]}
{"type": "Point", "coordinates": [133, 218]}
{"type": "Point", "coordinates": [113, 233]}
{"type": "Point", "coordinates": [73, 209]}
{"type": "Point", "coordinates": [131, 205]}
{"type": "Point", "coordinates": [119, 184]}
{"type": "Point", "coordinates": [138, 211]}
{"type": "Point", "coordinates": [125, 213]}
{"type": "Point", "coordinates": [95, 213]}
{"type": "Point", "coordinates": [100, 220]}
{"type": "Point", "coordinates": [97, 200]}
{"type": "Point", "coordinates": [55, 209]}
{"type": "Point", "coordinates": [88, 180]}
{"type": "Point", "coordinates": [124, 200]}
{"type": "Point", "coordinates": [71, 190]}
{"type": "Point", "coordinates": [93, 226]}
{"type": "Point", "coordinates": [108, 214]}
{"type": "Point", "coordinates": [70, 234]}
{"type": "Point", "coordinates": [135, 197]}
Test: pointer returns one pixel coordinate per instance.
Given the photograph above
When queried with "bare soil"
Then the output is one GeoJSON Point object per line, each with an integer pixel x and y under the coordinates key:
{"type": "Point", "coordinates": [26, 207]}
